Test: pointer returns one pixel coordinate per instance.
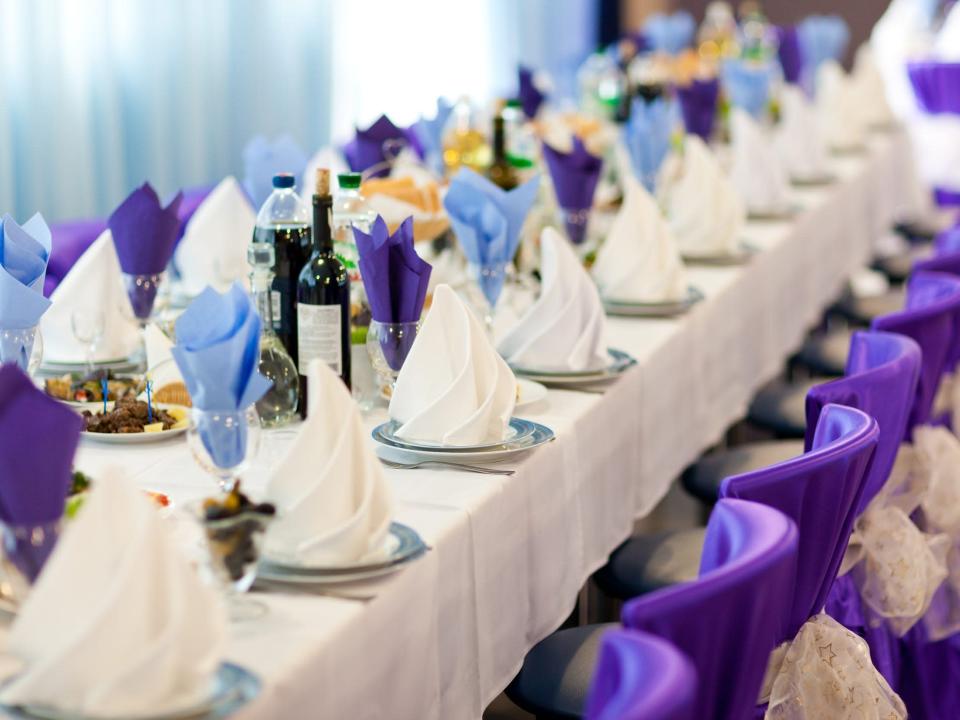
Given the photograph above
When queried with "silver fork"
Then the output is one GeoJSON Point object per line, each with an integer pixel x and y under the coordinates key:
{"type": "Point", "coordinates": [459, 466]}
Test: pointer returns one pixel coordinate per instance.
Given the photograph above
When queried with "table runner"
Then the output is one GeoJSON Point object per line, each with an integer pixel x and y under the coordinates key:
{"type": "Point", "coordinates": [444, 636]}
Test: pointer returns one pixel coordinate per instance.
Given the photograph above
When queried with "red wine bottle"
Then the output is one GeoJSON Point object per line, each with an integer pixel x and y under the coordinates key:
{"type": "Point", "coordinates": [323, 297]}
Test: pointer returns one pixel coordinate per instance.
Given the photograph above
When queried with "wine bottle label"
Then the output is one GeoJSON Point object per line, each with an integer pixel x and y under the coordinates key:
{"type": "Point", "coordinates": [275, 308]}
{"type": "Point", "coordinates": [318, 336]}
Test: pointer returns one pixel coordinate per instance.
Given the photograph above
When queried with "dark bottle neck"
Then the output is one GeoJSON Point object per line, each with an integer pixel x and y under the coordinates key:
{"type": "Point", "coordinates": [322, 230]}
{"type": "Point", "coordinates": [499, 140]}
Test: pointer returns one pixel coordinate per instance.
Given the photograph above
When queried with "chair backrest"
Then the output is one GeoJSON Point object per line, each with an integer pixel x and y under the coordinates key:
{"type": "Point", "coordinates": [948, 241]}
{"type": "Point", "coordinates": [933, 302]}
{"type": "Point", "coordinates": [820, 491]}
{"type": "Point", "coordinates": [949, 263]}
{"type": "Point", "coordinates": [881, 380]}
{"type": "Point", "coordinates": [641, 677]}
{"type": "Point", "coordinates": [728, 619]}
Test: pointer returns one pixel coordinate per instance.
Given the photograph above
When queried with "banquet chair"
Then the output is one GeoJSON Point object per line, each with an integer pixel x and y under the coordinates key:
{"type": "Point", "coordinates": [726, 621]}
{"type": "Point", "coordinates": [641, 677]}
{"type": "Point", "coordinates": [930, 301]}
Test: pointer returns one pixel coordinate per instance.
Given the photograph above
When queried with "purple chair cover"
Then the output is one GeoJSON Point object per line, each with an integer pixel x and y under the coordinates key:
{"type": "Point", "coordinates": [947, 241]}
{"type": "Point", "coordinates": [789, 53]}
{"type": "Point", "coordinates": [937, 86]}
{"type": "Point", "coordinates": [698, 105]}
{"type": "Point", "coordinates": [945, 197]}
{"type": "Point", "coordinates": [819, 491]}
{"type": "Point", "coordinates": [70, 241]}
{"type": "Point", "coordinates": [728, 620]}
{"type": "Point", "coordinates": [933, 302]}
{"type": "Point", "coordinates": [948, 263]}
{"type": "Point", "coordinates": [641, 677]}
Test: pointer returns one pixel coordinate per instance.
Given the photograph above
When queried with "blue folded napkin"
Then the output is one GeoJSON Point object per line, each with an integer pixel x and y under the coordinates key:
{"type": "Point", "coordinates": [822, 37]}
{"type": "Point", "coordinates": [218, 353]}
{"type": "Point", "coordinates": [647, 137]}
{"type": "Point", "coordinates": [429, 132]}
{"type": "Point", "coordinates": [670, 33]}
{"type": "Point", "coordinates": [487, 221]}
{"type": "Point", "coordinates": [263, 158]}
{"type": "Point", "coordinates": [24, 253]}
{"type": "Point", "coordinates": [747, 85]}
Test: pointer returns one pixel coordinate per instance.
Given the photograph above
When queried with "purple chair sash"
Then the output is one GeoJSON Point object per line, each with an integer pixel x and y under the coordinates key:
{"type": "Point", "coordinates": [728, 620]}
{"type": "Point", "coordinates": [936, 86]}
{"type": "Point", "coordinates": [819, 491]}
{"type": "Point", "coordinates": [641, 677]}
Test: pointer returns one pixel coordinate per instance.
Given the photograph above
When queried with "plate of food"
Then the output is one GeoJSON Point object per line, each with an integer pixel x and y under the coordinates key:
{"type": "Point", "coordinates": [81, 484]}
{"type": "Point", "coordinates": [81, 388]}
{"type": "Point", "coordinates": [130, 421]}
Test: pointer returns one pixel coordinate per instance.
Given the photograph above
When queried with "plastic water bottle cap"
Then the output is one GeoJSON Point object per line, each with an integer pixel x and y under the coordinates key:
{"type": "Point", "coordinates": [283, 180]}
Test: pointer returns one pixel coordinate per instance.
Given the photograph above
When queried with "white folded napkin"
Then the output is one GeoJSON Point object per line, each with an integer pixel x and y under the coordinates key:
{"type": "Point", "coordinates": [453, 389]}
{"type": "Point", "coordinates": [839, 109]}
{"type": "Point", "coordinates": [565, 329]}
{"type": "Point", "coordinates": [213, 250]}
{"type": "Point", "coordinates": [799, 142]}
{"type": "Point", "coordinates": [118, 624]}
{"type": "Point", "coordinates": [334, 506]}
{"type": "Point", "coordinates": [93, 286]}
{"type": "Point", "coordinates": [756, 171]}
{"type": "Point", "coordinates": [639, 261]}
{"type": "Point", "coordinates": [703, 209]}
{"type": "Point", "coordinates": [871, 88]}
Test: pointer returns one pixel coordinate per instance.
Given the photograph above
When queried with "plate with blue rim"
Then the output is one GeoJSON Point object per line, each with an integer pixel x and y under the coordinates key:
{"type": "Point", "coordinates": [517, 431]}
{"type": "Point", "coordinates": [402, 545]}
{"type": "Point", "coordinates": [669, 309]}
{"type": "Point", "coordinates": [618, 363]}
{"type": "Point", "coordinates": [740, 256]}
{"type": "Point", "coordinates": [233, 687]}
{"type": "Point", "coordinates": [527, 435]}
{"type": "Point", "coordinates": [785, 212]}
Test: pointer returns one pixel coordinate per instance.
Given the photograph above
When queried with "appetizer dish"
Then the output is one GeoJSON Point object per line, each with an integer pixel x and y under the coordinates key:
{"type": "Point", "coordinates": [81, 484]}
{"type": "Point", "coordinates": [130, 415]}
{"type": "Point", "coordinates": [81, 387]}
{"type": "Point", "coordinates": [234, 526]}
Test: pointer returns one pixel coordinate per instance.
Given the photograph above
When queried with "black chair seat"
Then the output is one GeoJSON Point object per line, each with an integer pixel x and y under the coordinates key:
{"type": "Point", "coordinates": [826, 353]}
{"type": "Point", "coordinates": [864, 310]}
{"type": "Point", "coordinates": [703, 480]}
{"type": "Point", "coordinates": [782, 407]}
{"type": "Point", "coordinates": [555, 678]}
{"type": "Point", "coordinates": [645, 563]}
{"type": "Point", "coordinates": [897, 267]}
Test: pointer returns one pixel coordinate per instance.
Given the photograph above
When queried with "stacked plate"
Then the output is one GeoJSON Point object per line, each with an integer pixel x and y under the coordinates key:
{"type": "Point", "coordinates": [619, 363]}
{"type": "Point", "coordinates": [522, 435]}
{"type": "Point", "coordinates": [402, 545]}
{"type": "Point", "coordinates": [654, 310]}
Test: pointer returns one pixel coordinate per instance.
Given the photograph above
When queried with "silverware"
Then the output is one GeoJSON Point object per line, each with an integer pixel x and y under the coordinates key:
{"type": "Point", "coordinates": [458, 466]}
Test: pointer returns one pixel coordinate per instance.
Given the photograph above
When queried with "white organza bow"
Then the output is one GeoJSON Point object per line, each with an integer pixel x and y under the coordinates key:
{"type": "Point", "coordinates": [826, 672]}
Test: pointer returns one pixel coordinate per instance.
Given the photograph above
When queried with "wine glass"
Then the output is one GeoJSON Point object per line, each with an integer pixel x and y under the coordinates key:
{"type": "Point", "coordinates": [23, 553]}
{"type": "Point", "coordinates": [24, 348]}
{"type": "Point", "coordinates": [142, 289]}
{"type": "Point", "coordinates": [388, 345]}
{"type": "Point", "coordinates": [88, 327]}
{"type": "Point", "coordinates": [490, 278]}
{"type": "Point", "coordinates": [224, 442]}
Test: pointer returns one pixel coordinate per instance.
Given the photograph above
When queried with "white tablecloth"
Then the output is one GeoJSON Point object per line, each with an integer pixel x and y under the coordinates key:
{"type": "Point", "coordinates": [445, 635]}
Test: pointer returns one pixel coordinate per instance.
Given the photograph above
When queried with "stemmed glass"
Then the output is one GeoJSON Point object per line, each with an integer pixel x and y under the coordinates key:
{"type": "Point", "coordinates": [388, 345]}
{"type": "Point", "coordinates": [88, 328]}
{"type": "Point", "coordinates": [24, 348]}
{"type": "Point", "coordinates": [490, 278]}
{"type": "Point", "coordinates": [224, 443]}
{"type": "Point", "coordinates": [142, 289]}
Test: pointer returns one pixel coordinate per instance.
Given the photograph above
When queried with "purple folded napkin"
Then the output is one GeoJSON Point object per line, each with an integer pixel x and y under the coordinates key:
{"type": "Point", "coordinates": [378, 144]}
{"type": "Point", "coordinates": [144, 234]}
{"type": "Point", "coordinates": [575, 175]}
{"type": "Point", "coordinates": [396, 281]}
{"type": "Point", "coordinates": [791, 58]}
{"type": "Point", "coordinates": [530, 96]}
{"type": "Point", "coordinates": [936, 86]}
{"type": "Point", "coordinates": [38, 439]}
{"type": "Point", "coordinates": [698, 105]}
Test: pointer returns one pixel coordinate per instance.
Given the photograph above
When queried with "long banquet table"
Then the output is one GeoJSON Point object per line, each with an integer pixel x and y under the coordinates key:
{"type": "Point", "coordinates": [444, 636]}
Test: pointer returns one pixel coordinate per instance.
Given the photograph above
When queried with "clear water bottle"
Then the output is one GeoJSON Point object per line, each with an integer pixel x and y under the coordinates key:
{"type": "Point", "coordinates": [350, 210]}
{"type": "Point", "coordinates": [279, 405]}
{"type": "Point", "coordinates": [601, 84]}
{"type": "Point", "coordinates": [284, 223]}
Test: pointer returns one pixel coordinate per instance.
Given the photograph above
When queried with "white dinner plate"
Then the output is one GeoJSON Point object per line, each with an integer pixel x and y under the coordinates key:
{"type": "Point", "coordinates": [517, 431]}
{"type": "Point", "coordinates": [141, 438]}
{"type": "Point", "coordinates": [772, 214]}
{"type": "Point", "coordinates": [402, 545]}
{"type": "Point", "coordinates": [233, 687]}
{"type": "Point", "coordinates": [55, 367]}
{"type": "Point", "coordinates": [740, 256]}
{"type": "Point", "coordinates": [669, 309]}
{"type": "Point", "coordinates": [541, 436]}
{"type": "Point", "coordinates": [825, 178]}
{"type": "Point", "coordinates": [620, 362]}
{"type": "Point", "coordinates": [529, 392]}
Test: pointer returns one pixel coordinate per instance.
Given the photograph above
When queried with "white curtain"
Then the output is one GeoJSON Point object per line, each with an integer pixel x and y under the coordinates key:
{"type": "Point", "coordinates": [97, 96]}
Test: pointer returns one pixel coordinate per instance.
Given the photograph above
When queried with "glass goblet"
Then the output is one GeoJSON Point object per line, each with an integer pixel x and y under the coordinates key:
{"type": "Point", "coordinates": [490, 278]}
{"type": "Point", "coordinates": [388, 345]}
{"type": "Point", "coordinates": [88, 327]}
{"type": "Point", "coordinates": [142, 289]}
{"type": "Point", "coordinates": [24, 348]}
{"type": "Point", "coordinates": [224, 442]}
